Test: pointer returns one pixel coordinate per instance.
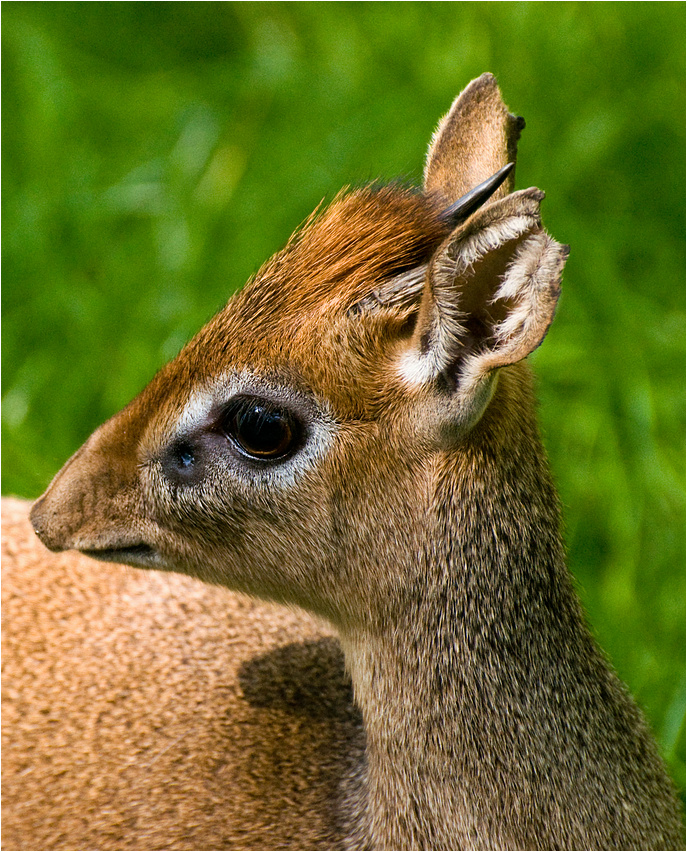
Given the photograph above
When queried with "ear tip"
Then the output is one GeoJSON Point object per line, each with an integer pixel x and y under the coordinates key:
{"type": "Point", "coordinates": [482, 88]}
{"type": "Point", "coordinates": [486, 79]}
{"type": "Point", "coordinates": [531, 194]}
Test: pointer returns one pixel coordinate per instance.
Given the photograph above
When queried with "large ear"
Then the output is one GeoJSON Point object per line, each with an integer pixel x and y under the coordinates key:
{"type": "Point", "coordinates": [476, 138]}
{"type": "Point", "coordinates": [489, 296]}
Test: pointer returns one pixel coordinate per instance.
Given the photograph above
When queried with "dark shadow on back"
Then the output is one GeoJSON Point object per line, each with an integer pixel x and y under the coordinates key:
{"type": "Point", "coordinates": [307, 678]}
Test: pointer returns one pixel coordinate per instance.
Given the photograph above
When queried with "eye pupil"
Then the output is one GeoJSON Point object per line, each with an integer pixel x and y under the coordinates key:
{"type": "Point", "coordinates": [260, 429]}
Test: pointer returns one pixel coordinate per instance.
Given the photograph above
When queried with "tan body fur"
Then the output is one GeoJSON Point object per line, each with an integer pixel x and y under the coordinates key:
{"type": "Point", "coordinates": [353, 434]}
{"type": "Point", "coordinates": [152, 711]}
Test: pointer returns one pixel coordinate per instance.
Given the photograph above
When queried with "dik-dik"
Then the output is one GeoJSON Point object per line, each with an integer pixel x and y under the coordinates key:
{"type": "Point", "coordinates": [354, 434]}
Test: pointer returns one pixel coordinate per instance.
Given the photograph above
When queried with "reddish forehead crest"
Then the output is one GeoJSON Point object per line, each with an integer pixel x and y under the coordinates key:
{"type": "Point", "coordinates": [337, 258]}
{"type": "Point", "coordinates": [339, 255]}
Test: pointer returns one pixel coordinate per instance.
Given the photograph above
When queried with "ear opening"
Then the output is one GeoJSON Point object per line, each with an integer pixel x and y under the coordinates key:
{"type": "Point", "coordinates": [489, 297]}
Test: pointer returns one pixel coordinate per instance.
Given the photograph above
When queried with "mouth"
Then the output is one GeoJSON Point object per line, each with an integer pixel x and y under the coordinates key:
{"type": "Point", "coordinates": [139, 555]}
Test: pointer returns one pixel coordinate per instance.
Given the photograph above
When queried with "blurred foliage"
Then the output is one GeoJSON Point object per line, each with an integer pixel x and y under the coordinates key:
{"type": "Point", "coordinates": [156, 153]}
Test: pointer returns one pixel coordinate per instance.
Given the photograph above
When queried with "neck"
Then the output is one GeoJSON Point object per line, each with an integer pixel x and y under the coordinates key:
{"type": "Point", "coordinates": [439, 695]}
{"type": "Point", "coordinates": [479, 703]}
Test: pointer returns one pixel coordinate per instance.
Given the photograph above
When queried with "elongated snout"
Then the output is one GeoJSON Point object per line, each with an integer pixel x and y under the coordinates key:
{"type": "Point", "coordinates": [54, 514]}
{"type": "Point", "coordinates": [90, 504]}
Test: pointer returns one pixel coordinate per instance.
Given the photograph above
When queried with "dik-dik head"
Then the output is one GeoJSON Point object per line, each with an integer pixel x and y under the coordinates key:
{"type": "Point", "coordinates": [291, 449]}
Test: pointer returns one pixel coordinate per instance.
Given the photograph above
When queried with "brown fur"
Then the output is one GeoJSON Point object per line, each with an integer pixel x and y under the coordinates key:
{"type": "Point", "coordinates": [125, 729]}
{"type": "Point", "coordinates": [483, 134]}
{"type": "Point", "coordinates": [416, 515]}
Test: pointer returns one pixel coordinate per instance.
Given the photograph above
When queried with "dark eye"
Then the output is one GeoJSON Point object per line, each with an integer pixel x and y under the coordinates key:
{"type": "Point", "coordinates": [261, 429]}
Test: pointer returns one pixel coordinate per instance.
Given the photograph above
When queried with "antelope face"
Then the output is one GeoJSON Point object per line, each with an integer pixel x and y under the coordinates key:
{"type": "Point", "coordinates": [250, 459]}
{"type": "Point", "coordinates": [288, 450]}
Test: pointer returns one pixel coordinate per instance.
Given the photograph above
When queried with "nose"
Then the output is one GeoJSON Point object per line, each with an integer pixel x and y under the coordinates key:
{"type": "Point", "coordinates": [46, 531]}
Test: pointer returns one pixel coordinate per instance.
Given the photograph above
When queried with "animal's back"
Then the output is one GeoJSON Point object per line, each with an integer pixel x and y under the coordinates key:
{"type": "Point", "coordinates": [150, 711]}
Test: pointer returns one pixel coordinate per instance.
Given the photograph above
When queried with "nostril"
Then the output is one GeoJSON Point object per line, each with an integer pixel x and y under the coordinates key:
{"type": "Point", "coordinates": [185, 456]}
{"type": "Point", "coordinates": [40, 525]}
{"type": "Point", "coordinates": [181, 462]}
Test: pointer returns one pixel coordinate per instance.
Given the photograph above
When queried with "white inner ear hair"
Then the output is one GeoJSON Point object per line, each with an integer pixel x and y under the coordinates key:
{"type": "Point", "coordinates": [501, 222]}
{"type": "Point", "coordinates": [530, 282]}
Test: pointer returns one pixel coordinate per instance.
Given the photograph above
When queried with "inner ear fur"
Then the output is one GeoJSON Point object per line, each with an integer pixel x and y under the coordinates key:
{"type": "Point", "coordinates": [489, 296]}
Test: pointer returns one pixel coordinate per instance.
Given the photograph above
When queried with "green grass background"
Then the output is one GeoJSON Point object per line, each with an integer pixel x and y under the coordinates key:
{"type": "Point", "coordinates": [156, 153]}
